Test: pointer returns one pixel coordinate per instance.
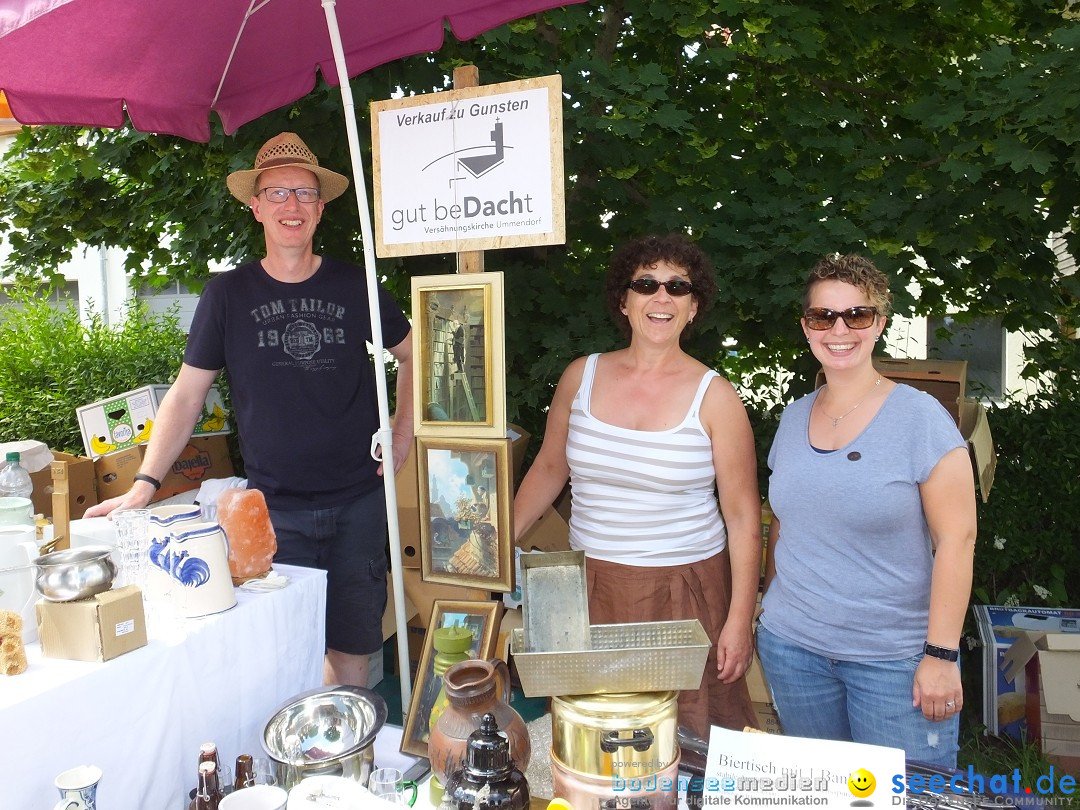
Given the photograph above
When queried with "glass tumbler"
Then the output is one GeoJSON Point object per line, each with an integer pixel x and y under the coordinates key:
{"type": "Point", "coordinates": [133, 545]}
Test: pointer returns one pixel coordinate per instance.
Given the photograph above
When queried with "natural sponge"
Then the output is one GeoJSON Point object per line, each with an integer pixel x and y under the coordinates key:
{"type": "Point", "coordinates": [12, 652]}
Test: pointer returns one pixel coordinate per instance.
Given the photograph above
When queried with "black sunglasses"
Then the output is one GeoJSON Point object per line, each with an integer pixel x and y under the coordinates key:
{"type": "Point", "coordinates": [819, 319]}
{"type": "Point", "coordinates": [649, 286]}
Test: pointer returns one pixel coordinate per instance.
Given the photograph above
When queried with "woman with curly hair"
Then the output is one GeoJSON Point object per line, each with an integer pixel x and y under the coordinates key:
{"type": "Point", "coordinates": [649, 438]}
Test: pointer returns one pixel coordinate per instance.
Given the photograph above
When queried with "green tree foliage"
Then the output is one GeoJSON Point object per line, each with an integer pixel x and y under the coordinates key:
{"type": "Point", "coordinates": [941, 138]}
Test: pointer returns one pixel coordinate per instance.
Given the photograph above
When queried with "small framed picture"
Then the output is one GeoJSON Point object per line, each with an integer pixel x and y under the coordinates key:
{"type": "Point", "coordinates": [459, 367]}
{"type": "Point", "coordinates": [465, 512]}
{"type": "Point", "coordinates": [482, 618]}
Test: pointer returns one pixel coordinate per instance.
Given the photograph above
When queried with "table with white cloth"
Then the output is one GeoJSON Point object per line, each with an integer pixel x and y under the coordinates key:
{"type": "Point", "coordinates": [142, 716]}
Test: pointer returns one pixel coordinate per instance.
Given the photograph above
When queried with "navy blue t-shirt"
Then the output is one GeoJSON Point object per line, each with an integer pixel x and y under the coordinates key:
{"type": "Point", "coordinates": [300, 375]}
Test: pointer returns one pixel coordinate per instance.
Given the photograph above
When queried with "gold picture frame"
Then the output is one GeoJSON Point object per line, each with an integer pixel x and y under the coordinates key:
{"type": "Point", "coordinates": [466, 536]}
{"type": "Point", "coordinates": [459, 355]}
{"type": "Point", "coordinates": [484, 618]}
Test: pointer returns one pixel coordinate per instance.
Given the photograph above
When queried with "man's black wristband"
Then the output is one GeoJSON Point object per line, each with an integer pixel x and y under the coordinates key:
{"type": "Point", "coordinates": [148, 479]}
{"type": "Point", "coordinates": [944, 653]}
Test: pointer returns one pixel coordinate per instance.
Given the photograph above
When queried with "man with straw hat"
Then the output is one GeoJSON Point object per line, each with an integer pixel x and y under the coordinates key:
{"type": "Point", "coordinates": [290, 331]}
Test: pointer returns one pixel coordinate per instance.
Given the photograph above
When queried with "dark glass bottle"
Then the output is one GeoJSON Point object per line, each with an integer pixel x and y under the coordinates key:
{"type": "Point", "coordinates": [245, 774]}
{"type": "Point", "coordinates": [206, 797]}
{"type": "Point", "coordinates": [489, 780]}
{"type": "Point", "coordinates": [208, 753]}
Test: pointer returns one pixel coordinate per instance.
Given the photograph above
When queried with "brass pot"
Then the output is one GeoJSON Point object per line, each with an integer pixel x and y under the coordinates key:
{"type": "Point", "coordinates": [659, 791]}
{"type": "Point", "coordinates": [628, 735]}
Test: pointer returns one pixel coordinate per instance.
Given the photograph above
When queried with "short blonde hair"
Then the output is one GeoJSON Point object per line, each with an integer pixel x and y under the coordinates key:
{"type": "Point", "coordinates": [855, 270]}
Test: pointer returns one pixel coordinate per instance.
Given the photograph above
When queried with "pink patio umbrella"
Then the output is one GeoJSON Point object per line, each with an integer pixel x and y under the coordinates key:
{"type": "Point", "coordinates": [167, 64]}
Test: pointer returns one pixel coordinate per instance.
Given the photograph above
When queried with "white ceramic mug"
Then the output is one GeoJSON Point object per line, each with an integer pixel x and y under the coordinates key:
{"type": "Point", "coordinates": [78, 787]}
{"type": "Point", "coordinates": [256, 797]}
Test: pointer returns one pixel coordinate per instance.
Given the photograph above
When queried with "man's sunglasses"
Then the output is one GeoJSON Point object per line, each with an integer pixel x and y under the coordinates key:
{"type": "Point", "coordinates": [649, 286]}
{"type": "Point", "coordinates": [819, 319]}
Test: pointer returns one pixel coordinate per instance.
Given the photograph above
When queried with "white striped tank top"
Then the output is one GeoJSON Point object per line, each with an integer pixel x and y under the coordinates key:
{"type": "Point", "coordinates": [642, 497]}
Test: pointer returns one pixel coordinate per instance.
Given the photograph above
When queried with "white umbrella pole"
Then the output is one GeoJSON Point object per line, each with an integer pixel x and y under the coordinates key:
{"type": "Point", "coordinates": [385, 436]}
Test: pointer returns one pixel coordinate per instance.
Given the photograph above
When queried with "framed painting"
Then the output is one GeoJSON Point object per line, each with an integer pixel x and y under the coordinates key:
{"type": "Point", "coordinates": [459, 367]}
{"type": "Point", "coordinates": [482, 618]}
{"type": "Point", "coordinates": [465, 512]}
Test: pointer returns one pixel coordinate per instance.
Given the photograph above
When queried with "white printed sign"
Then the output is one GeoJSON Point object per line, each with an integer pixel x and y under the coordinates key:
{"type": "Point", "coordinates": [746, 768]}
{"type": "Point", "coordinates": [474, 169]}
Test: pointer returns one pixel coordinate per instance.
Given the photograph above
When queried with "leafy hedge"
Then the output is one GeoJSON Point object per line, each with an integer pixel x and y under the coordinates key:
{"type": "Point", "coordinates": [51, 363]}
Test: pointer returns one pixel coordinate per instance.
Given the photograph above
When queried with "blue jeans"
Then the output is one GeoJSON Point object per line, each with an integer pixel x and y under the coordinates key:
{"type": "Point", "coordinates": [860, 701]}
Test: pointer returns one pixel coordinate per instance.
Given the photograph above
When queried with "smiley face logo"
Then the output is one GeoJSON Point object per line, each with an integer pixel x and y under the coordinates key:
{"type": "Point", "coordinates": [861, 783]}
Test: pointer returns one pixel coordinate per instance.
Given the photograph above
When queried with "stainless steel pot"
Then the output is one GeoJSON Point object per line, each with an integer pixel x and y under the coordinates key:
{"type": "Point", "coordinates": [78, 573]}
{"type": "Point", "coordinates": [336, 728]}
{"type": "Point", "coordinates": [628, 735]}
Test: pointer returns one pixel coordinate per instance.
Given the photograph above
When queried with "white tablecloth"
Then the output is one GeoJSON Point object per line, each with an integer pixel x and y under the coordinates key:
{"type": "Point", "coordinates": [142, 716]}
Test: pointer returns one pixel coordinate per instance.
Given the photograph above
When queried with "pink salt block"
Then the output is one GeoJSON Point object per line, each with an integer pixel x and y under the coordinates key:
{"type": "Point", "coordinates": [243, 516]}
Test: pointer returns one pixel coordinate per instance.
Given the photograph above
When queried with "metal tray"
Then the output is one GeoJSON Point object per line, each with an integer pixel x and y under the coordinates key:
{"type": "Point", "coordinates": [639, 657]}
{"type": "Point", "coordinates": [554, 607]}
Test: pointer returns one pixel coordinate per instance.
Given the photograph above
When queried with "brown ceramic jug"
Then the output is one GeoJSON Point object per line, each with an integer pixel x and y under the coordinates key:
{"type": "Point", "coordinates": [475, 688]}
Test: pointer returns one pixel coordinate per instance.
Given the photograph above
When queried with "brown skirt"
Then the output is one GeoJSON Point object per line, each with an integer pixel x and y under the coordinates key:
{"type": "Point", "coordinates": [702, 590]}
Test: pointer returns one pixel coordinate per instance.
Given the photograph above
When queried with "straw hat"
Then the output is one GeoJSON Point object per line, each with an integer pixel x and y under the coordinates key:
{"type": "Point", "coordinates": [286, 149]}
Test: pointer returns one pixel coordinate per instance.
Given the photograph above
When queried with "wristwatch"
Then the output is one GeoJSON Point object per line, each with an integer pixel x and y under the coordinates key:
{"type": "Point", "coordinates": [944, 653]}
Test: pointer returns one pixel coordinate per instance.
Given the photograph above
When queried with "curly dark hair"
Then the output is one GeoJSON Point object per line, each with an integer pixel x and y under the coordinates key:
{"type": "Point", "coordinates": [648, 251]}
{"type": "Point", "coordinates": [855, 270]}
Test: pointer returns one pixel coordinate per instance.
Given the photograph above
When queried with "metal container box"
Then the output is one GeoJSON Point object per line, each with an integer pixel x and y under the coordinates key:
{"type": "Point", "coordinates": [638, 657]}
{"type": "Point", "coordinates": [555, 609]}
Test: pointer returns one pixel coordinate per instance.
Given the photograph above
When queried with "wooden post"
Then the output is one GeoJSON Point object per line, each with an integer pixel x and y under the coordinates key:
{"type": "Point", "coordinates": [60, 506]}
{"type": "Point", "coordinates": [468, 261]}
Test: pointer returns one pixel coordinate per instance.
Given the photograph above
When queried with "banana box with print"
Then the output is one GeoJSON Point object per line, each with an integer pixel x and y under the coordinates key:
{"type": "Point", "coordinates": [127, 419]}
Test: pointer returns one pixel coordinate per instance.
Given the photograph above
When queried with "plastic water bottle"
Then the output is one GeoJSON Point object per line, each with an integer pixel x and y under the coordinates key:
{"type": "Point", "coordinates": [14, 479]}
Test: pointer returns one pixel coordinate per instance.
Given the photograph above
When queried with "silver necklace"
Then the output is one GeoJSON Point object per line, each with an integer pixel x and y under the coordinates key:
{"type": "Point", "coordinates": [836, 419]}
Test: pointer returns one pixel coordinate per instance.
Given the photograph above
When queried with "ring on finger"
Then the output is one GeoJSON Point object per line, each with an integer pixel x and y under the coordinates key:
{"type": "Point", "coordinates": [950, 704]}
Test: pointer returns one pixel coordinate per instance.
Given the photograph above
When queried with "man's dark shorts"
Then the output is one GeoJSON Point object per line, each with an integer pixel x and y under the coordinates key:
{"type": "Point", "coordinates": [349, 543]}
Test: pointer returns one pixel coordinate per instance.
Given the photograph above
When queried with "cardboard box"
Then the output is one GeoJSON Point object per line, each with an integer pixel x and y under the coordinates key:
{"type": "Point", "coordinates": [944, 380]}
{"type": "Point", "coordinates": [200, 460]}
{"type": "Point", "coordinates": [756, 683]}
{"type": "Point", "coordinates": [549, 533]}
{"type": "Point", "coordinates": [376, 669]}
{"type": "Point", "coordinates": [975, 429]}
{"type": "Point", "coordinates": [408, 494]}
{"type": "Point", "coordinates": [519, 443]}
{"type": "Point", "coordinates": [767, 718]}
{"type": "Point", "coordinates": [1050, 662]}
{"type": "Point", "coordinates": [408, 502]}
{"type": "Point", "coordinates": [999, 627]}
{"type": "Point", "coordinates": [127, 419]}
{"type": "Point", "coordinates": [82, 486]}
{"type": "Point", "coordinates": [96, 629]}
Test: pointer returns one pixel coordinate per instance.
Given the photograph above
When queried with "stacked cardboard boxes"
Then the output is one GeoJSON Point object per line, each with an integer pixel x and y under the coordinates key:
{"type": "Point", "coordinates": [1031, 661]}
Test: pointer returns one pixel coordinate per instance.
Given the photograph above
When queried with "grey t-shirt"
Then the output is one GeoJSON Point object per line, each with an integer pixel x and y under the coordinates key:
{"type": "Point", "coordinates": [854, 558]}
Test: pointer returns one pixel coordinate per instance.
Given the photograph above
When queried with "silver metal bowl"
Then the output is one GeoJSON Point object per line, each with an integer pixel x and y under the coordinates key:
{"type": "Point", "coordinates": [336, 727]}
{"type": "Point", "coordinates": [79, 573]}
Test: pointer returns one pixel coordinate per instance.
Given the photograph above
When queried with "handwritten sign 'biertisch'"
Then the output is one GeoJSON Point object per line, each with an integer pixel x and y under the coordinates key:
{"type": "Point", "coordinates": [479, 168]}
